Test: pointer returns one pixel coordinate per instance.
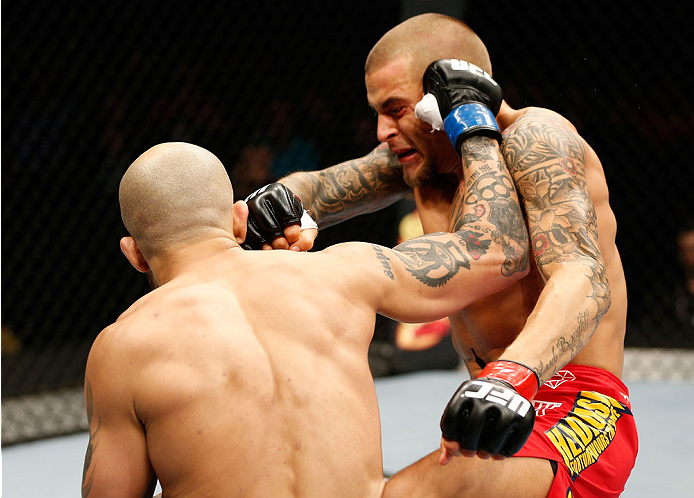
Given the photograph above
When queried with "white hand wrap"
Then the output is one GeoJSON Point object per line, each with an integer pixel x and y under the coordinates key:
{"type": "Point", "coordinates": [307, 221]}
{"type": "Point", "coordinates": [427, 110]}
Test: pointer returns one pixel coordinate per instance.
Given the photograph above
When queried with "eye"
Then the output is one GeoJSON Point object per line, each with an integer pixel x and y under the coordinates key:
{"type": "Point", "coordinates": [397, 111]}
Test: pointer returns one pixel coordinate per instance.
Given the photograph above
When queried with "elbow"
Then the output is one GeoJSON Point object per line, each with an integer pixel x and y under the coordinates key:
{"type": "Point", "coordinates": [516, 263]}
{"type": "Point", "coordinates": [595, 285]}
{"type": "Point", "coordinates": [602, 293]}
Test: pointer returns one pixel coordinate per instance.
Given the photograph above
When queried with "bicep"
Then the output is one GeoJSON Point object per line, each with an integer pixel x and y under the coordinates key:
{"type": "Point", "coordinates": [439, 274]}
{"type": "Point", "coordinates": [116, 462]}
{"type": "Point", "coordinates": [547, 161]}
{"type": "Point", "coordinates": [350, 188]}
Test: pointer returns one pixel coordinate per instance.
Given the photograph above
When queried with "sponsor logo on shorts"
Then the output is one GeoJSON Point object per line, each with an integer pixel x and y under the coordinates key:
{"type": "Point", "coordinates": [559, 378]}
{"type": "Point", "coordinates": [588, 429]}
{"type": "Point", "coordinates": [541, 407]}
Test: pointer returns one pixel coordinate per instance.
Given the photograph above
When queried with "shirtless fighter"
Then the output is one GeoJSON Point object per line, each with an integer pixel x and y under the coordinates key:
{"type": "Point", "coordinates": [245, 373]}
{"type": "Point", "coordinates": [563, 323]}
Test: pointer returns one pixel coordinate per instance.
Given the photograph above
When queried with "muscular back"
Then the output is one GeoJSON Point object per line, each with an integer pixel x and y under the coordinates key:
{"type": "Point", "coordinates": [237, 398]}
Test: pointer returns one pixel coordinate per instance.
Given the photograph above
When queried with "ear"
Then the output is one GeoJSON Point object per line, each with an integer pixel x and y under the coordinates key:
{"type": "Point", "coordinates": [240, 221]}
{"type": "Point", "coordinates": [129, 247]}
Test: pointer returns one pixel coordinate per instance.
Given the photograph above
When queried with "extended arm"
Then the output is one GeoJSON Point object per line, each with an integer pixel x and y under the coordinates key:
{"type": "Point", "coordinates": [546, 157]}
{"type": "Point", "coordinates": [116, 462]}
{"type": "Point", "coordinates": [351, 188]}
{"type": "Point", "coordinates": [329, 196]}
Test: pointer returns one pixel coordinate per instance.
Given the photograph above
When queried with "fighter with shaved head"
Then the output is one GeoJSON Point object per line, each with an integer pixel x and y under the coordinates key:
{"type": "Point", "coordinates": [245, 373]}
{"type": "Point", "coordinates": [560, 329]}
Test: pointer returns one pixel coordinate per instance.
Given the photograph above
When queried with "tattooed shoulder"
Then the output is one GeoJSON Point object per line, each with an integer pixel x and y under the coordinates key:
{"type": "Point", "coordinates": [537, 136]}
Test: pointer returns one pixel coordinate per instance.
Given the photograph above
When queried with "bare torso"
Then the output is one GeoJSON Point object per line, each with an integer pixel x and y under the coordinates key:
{"type": "Point", "coordinates": [484, 329]}
{"type": "Point", "coordinates": [238, 400]}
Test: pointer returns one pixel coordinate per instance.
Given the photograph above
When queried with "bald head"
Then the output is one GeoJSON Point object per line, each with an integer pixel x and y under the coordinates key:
{"type": "Point", "coordinates": [175, 194]}
{"type": "Point", "coordinates": [426, 38]}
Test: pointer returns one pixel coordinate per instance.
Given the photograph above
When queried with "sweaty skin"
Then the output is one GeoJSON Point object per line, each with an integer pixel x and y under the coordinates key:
{"type": "Point", "coordinates": [245, 373]}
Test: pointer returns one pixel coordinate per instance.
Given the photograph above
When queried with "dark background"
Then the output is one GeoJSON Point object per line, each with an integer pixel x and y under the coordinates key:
{"type": "Point", "coordinates": [274, 86]}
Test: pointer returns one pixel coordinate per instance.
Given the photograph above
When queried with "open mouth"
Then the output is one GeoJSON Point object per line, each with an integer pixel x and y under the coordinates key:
{"type": "Point", "coordinates": [406, 154]}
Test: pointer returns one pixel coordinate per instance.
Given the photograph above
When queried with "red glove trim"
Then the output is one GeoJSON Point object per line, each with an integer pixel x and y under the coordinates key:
{"type": "Point", "coordinates": [523, 379]}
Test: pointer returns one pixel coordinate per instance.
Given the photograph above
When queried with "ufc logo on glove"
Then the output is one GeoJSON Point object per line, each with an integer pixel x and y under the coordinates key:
{"type": "Point", "coordinates": [459, 65]}
{"type": "Point", "coordinates": [500, 395]}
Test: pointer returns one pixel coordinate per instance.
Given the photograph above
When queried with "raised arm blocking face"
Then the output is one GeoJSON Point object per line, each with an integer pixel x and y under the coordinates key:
{"type": "Point", "coordinates": [486, 251]}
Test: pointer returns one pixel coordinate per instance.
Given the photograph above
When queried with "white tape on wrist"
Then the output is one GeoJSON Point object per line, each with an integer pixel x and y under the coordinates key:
{"type": "Point", "coordinates": [427, 110]}
{"type": "Point", "coordinates": [307, 221]}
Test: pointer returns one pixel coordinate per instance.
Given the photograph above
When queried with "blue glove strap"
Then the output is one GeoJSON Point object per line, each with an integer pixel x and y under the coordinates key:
{"type": "Point", "coordinates": [468, 116]}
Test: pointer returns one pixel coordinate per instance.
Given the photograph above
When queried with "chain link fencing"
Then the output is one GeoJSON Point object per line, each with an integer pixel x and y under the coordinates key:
{"type": "Point", "coordinates": [271, 87]}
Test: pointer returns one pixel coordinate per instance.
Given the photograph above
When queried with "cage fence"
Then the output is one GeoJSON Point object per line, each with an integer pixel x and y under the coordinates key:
{"type": "Point", "coordinates": [272, 87]}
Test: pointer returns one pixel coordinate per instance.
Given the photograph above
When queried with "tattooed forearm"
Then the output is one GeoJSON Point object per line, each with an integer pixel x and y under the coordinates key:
{"type": "Point", "coordinates": [88, 471]}
{"type": "Point", "coordinates": [490, 199]}
{"type": "Point", "coordinates": [565, 348]}
{"type": "Point", "coordinates": [351, 188]}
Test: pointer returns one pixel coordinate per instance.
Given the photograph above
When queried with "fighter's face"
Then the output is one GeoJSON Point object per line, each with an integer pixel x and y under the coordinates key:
{"type": "Point", "coordinates": [393, 93]}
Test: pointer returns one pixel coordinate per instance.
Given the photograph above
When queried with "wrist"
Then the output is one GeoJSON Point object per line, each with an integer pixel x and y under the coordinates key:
{"type": "Point", "coordinates": [522, 378]}
{"type": "Point", "coordinates": [307, 222]}
{"type": "Point", "coordinates": [468, 120]}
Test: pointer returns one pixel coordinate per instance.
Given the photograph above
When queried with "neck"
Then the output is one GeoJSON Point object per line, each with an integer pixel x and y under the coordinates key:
{"type": "Point", "coordinates": [169, 264]}
{"type": "Point", "coordinates": [506, 116]}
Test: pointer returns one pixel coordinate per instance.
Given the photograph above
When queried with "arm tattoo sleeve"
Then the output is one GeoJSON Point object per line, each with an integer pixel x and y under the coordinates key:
{"type": "Point", "coordinates": [434, 262]}
{"type": "Point", "coordinates": [489, 205]}
{"type": "Point", "coordinates": [351, 188]}
{"type": "Point", "coordinates": [485, 212]}
{"type": "Point", "coordinates": [547, 160]}
{"type": "Point", "coordinates": [565, 346]}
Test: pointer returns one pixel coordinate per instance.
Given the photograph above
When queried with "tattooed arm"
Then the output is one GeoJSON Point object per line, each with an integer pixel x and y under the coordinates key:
{"type": "Point", "coordinates": [438, 274]}
{"type": "Point", "coordinates": [547, 160]}
{"type": "Point", "coordinates": [116, 462]}
{"type": "Point", "coordinates": [351, 188]}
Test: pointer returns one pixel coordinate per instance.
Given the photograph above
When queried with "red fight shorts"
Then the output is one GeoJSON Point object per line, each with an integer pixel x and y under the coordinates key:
{"type": "Point", "coordinates": [584, 423]}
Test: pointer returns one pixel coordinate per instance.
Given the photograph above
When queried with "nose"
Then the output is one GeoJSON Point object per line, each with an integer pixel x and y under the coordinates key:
{"type": "Point", "coordinates": [386, 128]}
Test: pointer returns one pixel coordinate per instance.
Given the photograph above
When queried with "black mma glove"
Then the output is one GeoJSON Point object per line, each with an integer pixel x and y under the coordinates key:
{"type": "Point", "coordinates": [493, 412]}
{"type": "Point", "coordinates": [467, 100]}
{"type": "Point", "coordinates": [270, 210]}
